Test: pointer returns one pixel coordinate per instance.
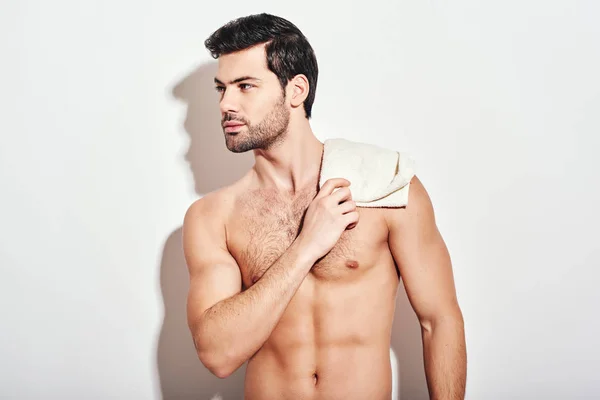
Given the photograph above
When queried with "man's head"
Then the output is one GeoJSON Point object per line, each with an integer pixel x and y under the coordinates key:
{"type": "Point", "coordinates": [267, 71]}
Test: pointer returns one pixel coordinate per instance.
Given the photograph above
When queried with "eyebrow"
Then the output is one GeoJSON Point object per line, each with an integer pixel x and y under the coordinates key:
{"type": "Point", "coordinates": [238, 80]}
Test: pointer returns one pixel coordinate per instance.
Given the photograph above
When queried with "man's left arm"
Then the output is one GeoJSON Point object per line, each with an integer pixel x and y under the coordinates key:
{"type": "Point", "coordinates": [426, 270]}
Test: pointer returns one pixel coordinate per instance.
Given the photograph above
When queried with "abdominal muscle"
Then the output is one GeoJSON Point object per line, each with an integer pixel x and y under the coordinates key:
{"type": "Point", "coordinates": [337, 372]}
{"type": "Point", "coordinates": [332, 342]}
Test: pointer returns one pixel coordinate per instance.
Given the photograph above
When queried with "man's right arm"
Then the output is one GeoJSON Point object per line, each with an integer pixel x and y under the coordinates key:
{"type": "Point", "coordinates": [228, 326]}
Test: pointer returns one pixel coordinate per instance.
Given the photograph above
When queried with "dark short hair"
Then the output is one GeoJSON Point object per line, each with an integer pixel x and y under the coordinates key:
{"type": "Point", "coordinates": [288, 51]}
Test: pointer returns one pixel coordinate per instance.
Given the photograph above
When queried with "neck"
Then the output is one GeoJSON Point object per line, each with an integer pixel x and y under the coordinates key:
{"type": "Point", "coordinates": [293, 163]}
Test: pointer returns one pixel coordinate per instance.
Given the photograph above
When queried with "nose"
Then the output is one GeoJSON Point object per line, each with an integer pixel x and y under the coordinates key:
{"type": "Point", "coordinates": [229, 102]}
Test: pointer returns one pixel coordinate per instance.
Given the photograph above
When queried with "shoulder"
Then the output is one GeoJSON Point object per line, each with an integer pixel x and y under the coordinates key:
{"type": "Point", "coordinates": [215, 203]}
{"type": "Point", "coordinates": [204, 225]}
{"type": "Point", "coordinates": [217, 207]}
{"type": "Point", "coordinates": [212, 208]}
{"type": "Point", "coordinates": [418, 210]}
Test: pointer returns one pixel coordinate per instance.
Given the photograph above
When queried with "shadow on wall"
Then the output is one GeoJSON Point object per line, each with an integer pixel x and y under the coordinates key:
{"type": "Point", "coordinates": [408, 348]}
{"type": "Point", "coordinates": [182, 375]}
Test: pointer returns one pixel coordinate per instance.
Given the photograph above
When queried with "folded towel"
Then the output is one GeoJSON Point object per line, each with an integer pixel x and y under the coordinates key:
{"type": "Point", "coordinates": [378, 177]}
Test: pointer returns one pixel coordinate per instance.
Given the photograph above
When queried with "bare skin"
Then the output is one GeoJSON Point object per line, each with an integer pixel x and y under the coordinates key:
{"type": "Point", "coordinates": [299, 282]}
{"type": "Point", "coordinates": [329, 334]}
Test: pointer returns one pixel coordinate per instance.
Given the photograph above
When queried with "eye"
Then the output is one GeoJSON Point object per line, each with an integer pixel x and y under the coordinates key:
{"type": "Point", "coordinates": [220, 89]}
{"type": "Point", "coordinates": [246, 86]}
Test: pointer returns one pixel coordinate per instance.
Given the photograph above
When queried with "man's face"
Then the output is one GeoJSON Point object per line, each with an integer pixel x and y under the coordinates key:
{"type": "Point", "coordinates": [254, 111]}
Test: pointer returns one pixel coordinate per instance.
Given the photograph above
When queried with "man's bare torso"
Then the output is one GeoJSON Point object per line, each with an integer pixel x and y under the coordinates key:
{"type": "Point", "coordinates": [332, 341]}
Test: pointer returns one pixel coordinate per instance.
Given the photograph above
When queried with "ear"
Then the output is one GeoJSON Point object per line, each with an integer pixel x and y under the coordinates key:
{"type": "Point", "coordinates": [298, 89]}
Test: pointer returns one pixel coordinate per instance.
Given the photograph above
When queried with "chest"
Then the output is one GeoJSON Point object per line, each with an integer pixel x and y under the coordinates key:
{"type": "Point", "coordinates": [264, 226]}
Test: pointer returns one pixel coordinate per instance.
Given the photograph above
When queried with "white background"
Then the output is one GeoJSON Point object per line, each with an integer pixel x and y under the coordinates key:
{"type": "Point", "coordinates": [110, 129]}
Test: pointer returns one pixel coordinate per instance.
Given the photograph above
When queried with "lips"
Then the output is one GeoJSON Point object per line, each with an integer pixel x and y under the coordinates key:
{"type": "Point", "coordinates": [232, 126]}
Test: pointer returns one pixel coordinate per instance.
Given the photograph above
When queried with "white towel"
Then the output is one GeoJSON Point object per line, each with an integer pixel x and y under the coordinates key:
{"type": "Point", "coordinates": [378, 177]}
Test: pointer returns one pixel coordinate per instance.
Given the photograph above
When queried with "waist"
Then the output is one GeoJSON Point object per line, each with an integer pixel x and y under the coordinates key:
{"type": "Point", "coordinates": [327, 371]}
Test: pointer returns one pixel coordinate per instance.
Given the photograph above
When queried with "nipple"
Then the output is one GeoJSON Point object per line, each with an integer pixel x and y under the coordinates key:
{"type": "Point", "coordinates": [352, 264]}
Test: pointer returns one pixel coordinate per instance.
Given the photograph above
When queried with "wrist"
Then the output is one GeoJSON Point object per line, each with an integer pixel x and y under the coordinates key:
{"type": "Point", "coordinates": [304, 251]}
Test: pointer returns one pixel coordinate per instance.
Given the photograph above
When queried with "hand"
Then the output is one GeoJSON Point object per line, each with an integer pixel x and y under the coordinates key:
{"type": "Point", "coordinates": [329, 214]}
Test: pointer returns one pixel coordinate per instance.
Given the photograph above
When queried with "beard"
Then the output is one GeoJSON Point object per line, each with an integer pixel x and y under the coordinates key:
{"type": "Point", "coordinates": [265, 135]}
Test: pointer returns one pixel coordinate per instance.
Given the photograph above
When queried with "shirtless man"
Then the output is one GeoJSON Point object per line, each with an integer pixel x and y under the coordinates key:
{"type": "Point", "coordinates": [298, 281]}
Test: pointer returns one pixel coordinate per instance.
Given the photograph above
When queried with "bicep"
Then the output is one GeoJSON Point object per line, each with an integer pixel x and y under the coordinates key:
{"type": "Point", "coordinates": [213, 272]}
{"type": "Point", "coordinates": [422, 257]}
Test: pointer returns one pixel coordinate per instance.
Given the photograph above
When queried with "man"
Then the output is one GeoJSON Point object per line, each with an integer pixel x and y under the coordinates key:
{"type": "Point", "coordinates": [295, 280]}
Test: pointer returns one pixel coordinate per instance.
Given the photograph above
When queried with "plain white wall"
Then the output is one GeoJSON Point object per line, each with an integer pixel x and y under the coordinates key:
{"type": "Point", "coordinates": [110, 129]}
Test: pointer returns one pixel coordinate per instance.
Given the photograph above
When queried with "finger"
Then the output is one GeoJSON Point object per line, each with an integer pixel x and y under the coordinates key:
{"type": "Point", "coordinates": [340, 195]}
{"type": "Point", "coordinates": [331, 184]}
{"type": "Point", "coordinates": [347, 206]}
{"type": "Point", "coordinates": [351, 219]}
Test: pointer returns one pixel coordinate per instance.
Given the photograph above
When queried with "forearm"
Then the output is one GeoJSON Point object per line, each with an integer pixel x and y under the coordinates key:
{"type": "Point", "coordinates": [231, 331]}
{"type": "Point", "coordinates": [445, 357]}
